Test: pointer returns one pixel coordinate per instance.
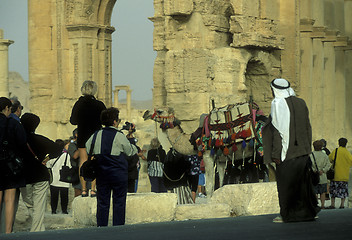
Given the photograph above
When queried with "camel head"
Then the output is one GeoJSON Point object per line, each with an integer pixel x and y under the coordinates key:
{"type": "Point", "coordinates": [166, 119]}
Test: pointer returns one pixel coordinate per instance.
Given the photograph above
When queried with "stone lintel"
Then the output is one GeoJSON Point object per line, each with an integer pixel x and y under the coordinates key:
{"type": "Point", "coordinates": [318, 32]}
{"type": "Point", "coordinates": [348, 47]}
{"type": "Point", "coordinates": [341, 42]}
{"type": "Point", "coordinates": [306, 25]}
{"type": "Point", "coordinates": [88, 27]}
{"type": "Point", "coordinates": [330, 36]}
{"type": "Point", "coordinates": [258, 40]}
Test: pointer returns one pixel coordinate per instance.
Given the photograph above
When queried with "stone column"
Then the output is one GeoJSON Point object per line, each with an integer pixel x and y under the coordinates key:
{"type": "Point", "coordinates": [348, 76]}
{"type": "Point", "coordinates": [116, 97]}
{"type": "Point", "coordinates": [348, 18]}
{"type": "Point", "coordinates": [4, 65]}
{"type": "Point", "coordinates": [128, 100]}
{"type": "Point", "coordinates": [341, 106]}
{"type": "Point", "coordinates": [316, 112]}
{"type": "Point", "coordinates": [318, 12]}
{"type": "Point", "coordinates": [305, 7]}
{"type": "Point", "coordinates": [306, 45]}
{"type": "Point", "coordinates": [329, 90]}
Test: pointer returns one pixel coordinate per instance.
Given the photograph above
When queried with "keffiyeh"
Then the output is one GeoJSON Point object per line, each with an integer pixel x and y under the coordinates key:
{"type": "Point", "coordinates": [280, 113]}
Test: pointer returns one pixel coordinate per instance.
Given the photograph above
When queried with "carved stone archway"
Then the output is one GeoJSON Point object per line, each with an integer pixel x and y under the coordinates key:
{"type": "Point", "coordinates": [69, 42]}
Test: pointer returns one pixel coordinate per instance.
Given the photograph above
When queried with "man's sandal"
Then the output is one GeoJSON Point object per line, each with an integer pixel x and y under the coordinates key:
{"type": "Point", "coordinates": [84, 193]}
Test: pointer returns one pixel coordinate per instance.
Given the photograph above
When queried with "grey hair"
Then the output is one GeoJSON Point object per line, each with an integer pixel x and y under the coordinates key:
{"type": "Point", "coordinates": [154, 143]}
{"type": "Point", "coordinates": [89, 88]}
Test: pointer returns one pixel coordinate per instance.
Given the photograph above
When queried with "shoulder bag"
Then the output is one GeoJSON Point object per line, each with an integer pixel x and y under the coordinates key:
{"type": "Point", "coordinates": [330, 174]}
{"type": "Point", "coordinates": [50, 171]}
{"type": "Point", "coordinates": [69, 174]}
{"type": "Point", "coordinates": [89, 168]}
{"type": "Point", "coordinates": [13, 162]}
{"type": "Point", "coordinates": [315, 174]}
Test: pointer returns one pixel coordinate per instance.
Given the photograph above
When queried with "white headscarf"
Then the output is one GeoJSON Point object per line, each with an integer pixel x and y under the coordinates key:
{"type": "Point", "coordinates": [280, 113]}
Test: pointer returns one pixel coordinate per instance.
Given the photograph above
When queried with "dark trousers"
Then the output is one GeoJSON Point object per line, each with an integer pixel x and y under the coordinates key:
{"type": "Point", "coordinates": [54, 197]}
{"type": "Point", "coordinates": [157, 184]}
{"type": "Point", "coordinates": [119, 193]}
{"type": "Point", "coordinates": [132, 185]}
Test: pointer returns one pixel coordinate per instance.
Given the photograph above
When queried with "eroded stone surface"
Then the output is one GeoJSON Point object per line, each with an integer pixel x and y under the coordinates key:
{"type": "Point", "coordinates": [249, 199]}
{"type": "Point", "coordinates": [202, 211]}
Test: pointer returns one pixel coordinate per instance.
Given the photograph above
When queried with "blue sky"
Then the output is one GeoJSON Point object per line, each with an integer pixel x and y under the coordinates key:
{"type": "Point", "coordinates": [132, 50]}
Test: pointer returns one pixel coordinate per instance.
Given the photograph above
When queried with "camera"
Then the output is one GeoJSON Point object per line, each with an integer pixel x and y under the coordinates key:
{"type": "Point", "coordinates": [129, 125]}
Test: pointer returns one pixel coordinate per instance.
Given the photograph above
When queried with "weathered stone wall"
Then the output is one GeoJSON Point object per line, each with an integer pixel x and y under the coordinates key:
{"type": "Point", "coordinates": [224, 51]}
{"type": "Point", "coordinates": [230, 50]}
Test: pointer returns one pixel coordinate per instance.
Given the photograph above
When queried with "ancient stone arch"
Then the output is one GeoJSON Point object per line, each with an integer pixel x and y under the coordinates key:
{"type": "Point", "coordinates": [69, 42]}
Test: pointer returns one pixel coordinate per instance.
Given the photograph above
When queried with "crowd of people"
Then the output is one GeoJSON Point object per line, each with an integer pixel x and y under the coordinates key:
{"type": "Point", "coordinates": [287, 138]}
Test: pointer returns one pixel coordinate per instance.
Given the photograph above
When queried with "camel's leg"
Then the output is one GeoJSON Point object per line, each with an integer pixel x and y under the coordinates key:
{"type": "Point", "coordinates": [209, 173]}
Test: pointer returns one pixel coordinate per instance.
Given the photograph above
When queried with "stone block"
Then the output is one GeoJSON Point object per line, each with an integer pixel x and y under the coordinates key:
{"type": "Point", "coordinates": [180, 7]}
{"type": "Point", "coordinates": [249, 199]}
{"type": "Point", "coordinates": [270, 9]}
{"type": "Point", "coordinates": [202, 211]}
{"type": "Point", "coordinates": [150, 207]}
{"type": "Point", "coordinates": [140, 208]}
{"type": "Point", "coordinates": [216, 22]}
{"type": "Point", "coordinates": [84, 210]}
{"type": "Point", "coordinates": [246, 7]}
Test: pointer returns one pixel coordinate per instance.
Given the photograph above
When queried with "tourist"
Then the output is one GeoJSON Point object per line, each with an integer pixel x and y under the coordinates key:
{"type": "Point", "coordinates": [86, 115]}
{"type": "Point", "coordinates": [287, 137]}
{"type": "Point", "coordinates": [324, 148]}
{"type": "Point", "coordinates": [201, 180]}
{"type": "Point", "coordinates": [343, 163]}
{"type": "Point", "coordinates": [74, 155]}
{"type": "Point", "coordinates": [327, 151]}
{"type": "Point", "coordinates": [35, 193]}
{"type": "Point", "coordinates": [320, 163]}
{"type": "Point", "coordinates": [133, 161]}
{"type": "Point", "coordinates": [13, 138]}
{"type": "Point", "coordinates": [58, 187]}
{"type": "Point", "coordinates": [193, 173]}
{"type": "Point", "coordinates": [16, 112]}
{"type": "Point", "coordinates": [110, 148]}
{"type": "Point", "coordinates": [155, 159]}
{"type": "Point", "coordinates": [16, 109]}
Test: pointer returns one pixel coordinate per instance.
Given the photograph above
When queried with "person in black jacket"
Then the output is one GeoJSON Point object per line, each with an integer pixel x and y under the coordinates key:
{"type": "Point", "coordinates": [86, 115]}
{"type": "Point", "coordinates": [155, 158]}
{"type": "Point", "coordinates": [13, 136]}
{"type": "Point", "coordinates": [133, 161]}
{"type": "Point", "coordinates": [37, 177]}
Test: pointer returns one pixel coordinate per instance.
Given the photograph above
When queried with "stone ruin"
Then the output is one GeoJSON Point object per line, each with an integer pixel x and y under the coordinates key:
{"type": "Point", "coordinates": [222, 50]}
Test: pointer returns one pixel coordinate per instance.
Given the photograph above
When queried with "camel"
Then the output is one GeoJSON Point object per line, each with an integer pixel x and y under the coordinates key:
{"type": "Point", "coordinates": [170, 134]}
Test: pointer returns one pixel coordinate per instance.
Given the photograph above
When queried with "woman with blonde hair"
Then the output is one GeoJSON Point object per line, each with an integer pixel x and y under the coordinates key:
{"type": "Point", "coordinates": [86, 115]}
